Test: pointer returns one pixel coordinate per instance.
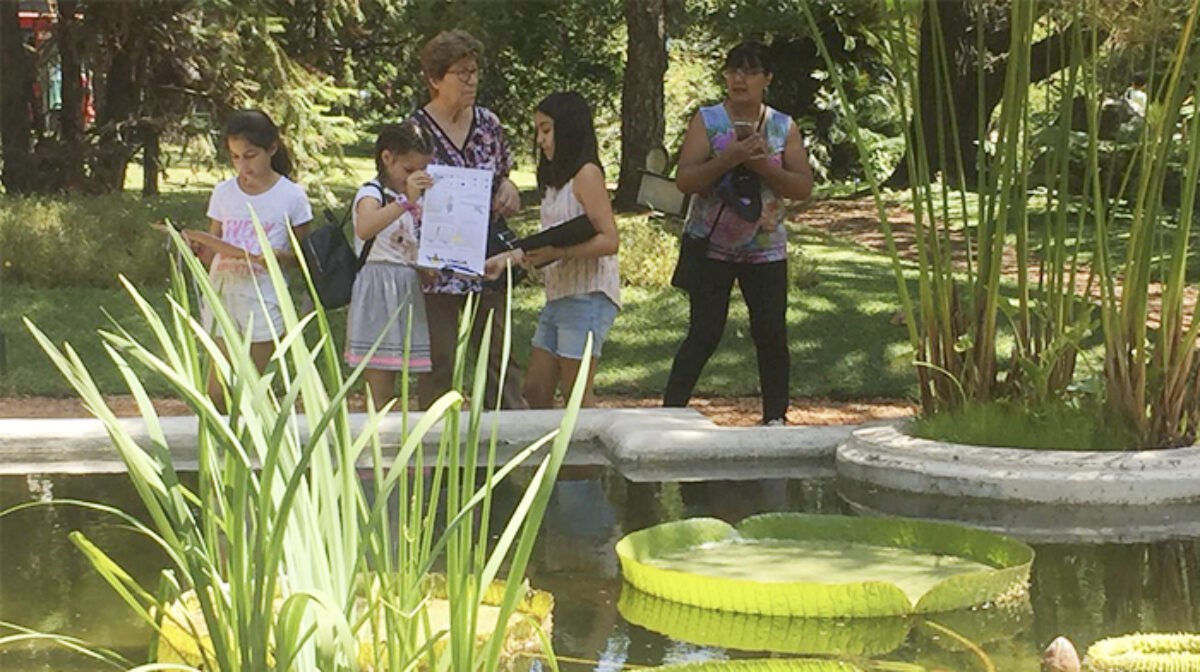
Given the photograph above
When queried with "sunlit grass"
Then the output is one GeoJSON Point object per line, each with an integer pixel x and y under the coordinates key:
{"type": "Point", "coordinates": [840, 333]}
{"type": "Point", "coordinates": [1051, 426]}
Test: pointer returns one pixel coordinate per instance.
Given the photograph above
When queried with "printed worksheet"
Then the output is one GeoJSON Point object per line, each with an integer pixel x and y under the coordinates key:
{"type": "Point", "coordinates": [454, 219]}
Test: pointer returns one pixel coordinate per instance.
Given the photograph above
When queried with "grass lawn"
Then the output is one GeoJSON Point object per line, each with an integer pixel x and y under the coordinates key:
{"type": "Point", "coordinates": [843, 344]}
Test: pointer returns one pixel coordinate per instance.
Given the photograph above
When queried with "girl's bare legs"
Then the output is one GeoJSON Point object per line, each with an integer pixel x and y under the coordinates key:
{"type": "Point", "coordinates": [382, 385]}
{"type": "Point", "coordinates": [548, 373]}
{"type": "Point", "coordinates": [214, 387]}
{"type": "Point", "coordinates": [568, 369]}
{"type": "Point", "coordinates": [260, 353]}
{"type": "Point", "coordinates": [541, 378]}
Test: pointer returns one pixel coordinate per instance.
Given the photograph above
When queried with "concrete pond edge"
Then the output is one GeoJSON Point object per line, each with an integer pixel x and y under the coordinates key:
{"type": "Point", "coordinates": [644, 444]}
{"type": "Point", "coordinates": [884, 456]}
{"type": "Point", "coordinates": [650, 444]}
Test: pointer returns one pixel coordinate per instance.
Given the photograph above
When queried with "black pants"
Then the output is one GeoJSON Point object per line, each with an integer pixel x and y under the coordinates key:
{"type": "Point", "coordinates": [764, 289]}
{"type": "Point", "coordinates": [442, 313]}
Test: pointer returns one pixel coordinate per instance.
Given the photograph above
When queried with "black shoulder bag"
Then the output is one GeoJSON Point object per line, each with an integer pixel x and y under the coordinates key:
{"type": "Point", "coordinates": [693, 257]}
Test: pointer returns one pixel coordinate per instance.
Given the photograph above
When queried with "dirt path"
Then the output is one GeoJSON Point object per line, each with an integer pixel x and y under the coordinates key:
{"type": "Point", "coordinates": [858, 220]}
{"type": "Point", "coordinates": [727, 411]}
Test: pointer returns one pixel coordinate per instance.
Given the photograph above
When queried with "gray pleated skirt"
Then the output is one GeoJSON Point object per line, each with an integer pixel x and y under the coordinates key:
{"type": "Point", "coordinates": [380, 291]}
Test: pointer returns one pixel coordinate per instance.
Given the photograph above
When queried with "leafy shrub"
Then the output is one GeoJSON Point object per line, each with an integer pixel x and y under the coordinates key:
{"type": "Point", "coordinates": [648, 252]}
{"type": "Point", "coordinates": [87, 242]}
{"type": "Point", "coordinates": [802, 269]}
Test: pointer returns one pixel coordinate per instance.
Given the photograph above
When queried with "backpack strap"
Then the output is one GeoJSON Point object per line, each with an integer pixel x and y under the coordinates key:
{"type": "Point", "coordinates": [370, 242]}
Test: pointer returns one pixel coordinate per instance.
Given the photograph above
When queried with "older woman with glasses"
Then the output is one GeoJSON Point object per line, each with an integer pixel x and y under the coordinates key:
{"type": "Point", "coordinates": [740, 158]}
{"type": "Point", "coordinates": [465, 135]}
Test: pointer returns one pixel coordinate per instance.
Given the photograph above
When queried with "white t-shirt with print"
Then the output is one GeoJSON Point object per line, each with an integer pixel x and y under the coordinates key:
{"type": "Point", "coordinates": [284, 204]}
{"type": "Point", "coordinates": [397, 242]}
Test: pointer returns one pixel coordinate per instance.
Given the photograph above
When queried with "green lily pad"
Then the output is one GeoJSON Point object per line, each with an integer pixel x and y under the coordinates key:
{"type": "Point", "coordinates": [1145, 652]}
{"type": "Point", "coordinates": [825, 566]}
{"type": "Point", "coordinates": [865, 637]}
{"type": "Point", "coordinates": [179, 644]}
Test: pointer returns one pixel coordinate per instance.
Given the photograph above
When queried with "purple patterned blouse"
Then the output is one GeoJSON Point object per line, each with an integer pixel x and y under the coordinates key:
{"type": "Point", "coordinates": [483, 148]}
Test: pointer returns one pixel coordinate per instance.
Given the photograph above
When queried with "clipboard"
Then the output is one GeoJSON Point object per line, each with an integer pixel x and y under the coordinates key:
{"type": "Point", "coordinates": [571, 232]}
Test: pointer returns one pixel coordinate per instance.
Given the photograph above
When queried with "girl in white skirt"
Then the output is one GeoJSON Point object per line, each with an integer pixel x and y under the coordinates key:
{"type": "Point", "coordinates": [386, 303]}
{"type": "Point", "coordinates": [261, 190]}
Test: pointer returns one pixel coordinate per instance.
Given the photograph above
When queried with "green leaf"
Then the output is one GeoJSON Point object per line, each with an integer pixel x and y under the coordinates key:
{"type": "Point", "coordinates": [641, 554]}
{"type": "Point", "coordinates": [759, 632]}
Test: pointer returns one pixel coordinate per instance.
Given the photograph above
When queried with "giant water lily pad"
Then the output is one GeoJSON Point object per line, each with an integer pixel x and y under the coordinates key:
{"type": "Point", "coordinates": [857, 637]}
{"type": "Point", "coordinates": [788, 564]}
{"type": "Point", "coordinates": [1145, 652]}
{"type": "Point", "coordinates": [761, 632]}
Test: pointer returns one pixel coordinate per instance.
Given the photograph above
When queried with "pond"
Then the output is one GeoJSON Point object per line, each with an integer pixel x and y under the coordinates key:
{"type": "Point", "coordinates": [1086, 592]}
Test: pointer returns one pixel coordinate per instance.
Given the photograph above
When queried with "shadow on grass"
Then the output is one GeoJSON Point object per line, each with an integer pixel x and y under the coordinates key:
{"type": "Point", "coordinates": [842, 343]}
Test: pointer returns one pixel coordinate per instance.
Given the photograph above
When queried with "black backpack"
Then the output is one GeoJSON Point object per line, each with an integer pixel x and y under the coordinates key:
{"type": "Point", "coordinates": [330, 258]}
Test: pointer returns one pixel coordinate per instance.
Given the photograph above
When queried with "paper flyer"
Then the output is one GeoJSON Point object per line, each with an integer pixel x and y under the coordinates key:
{"type": "Point", "coordinates": [454, 219]}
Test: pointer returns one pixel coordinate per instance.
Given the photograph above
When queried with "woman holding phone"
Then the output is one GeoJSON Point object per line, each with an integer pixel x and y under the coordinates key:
{"type": "Point", "coordinates": [740, 158]}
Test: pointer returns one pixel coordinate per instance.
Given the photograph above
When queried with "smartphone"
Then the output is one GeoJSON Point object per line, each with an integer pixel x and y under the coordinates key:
{"type": "Point", "coordinates": [743, 129]}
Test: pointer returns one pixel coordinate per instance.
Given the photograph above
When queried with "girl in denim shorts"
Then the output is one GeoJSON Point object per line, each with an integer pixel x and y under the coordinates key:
{"type": "Point", "coordinates": [583, 284]}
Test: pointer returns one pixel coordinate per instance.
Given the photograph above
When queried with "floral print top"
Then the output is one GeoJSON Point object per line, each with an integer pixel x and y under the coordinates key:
{"type": "Point", "coordinates": [483, 148]}
{"type": "Point", "coordinates": [735, 239]}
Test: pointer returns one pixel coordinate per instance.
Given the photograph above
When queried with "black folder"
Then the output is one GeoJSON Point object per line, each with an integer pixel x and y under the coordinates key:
{"type": "Point", "coordinates": [571, 232]}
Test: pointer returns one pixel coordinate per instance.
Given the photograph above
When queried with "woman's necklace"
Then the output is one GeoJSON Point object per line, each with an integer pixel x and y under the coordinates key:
{"type": "Point", "coordinates": [735, 117]}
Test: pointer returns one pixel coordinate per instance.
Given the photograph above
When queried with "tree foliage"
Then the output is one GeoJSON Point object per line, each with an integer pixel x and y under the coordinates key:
{"type": "Point", "coordinates": [329, 70]}
{"type": "Point", "coordinates": [706, 29]}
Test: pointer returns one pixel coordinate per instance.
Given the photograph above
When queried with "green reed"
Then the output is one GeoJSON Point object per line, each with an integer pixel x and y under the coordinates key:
{"type": "Point", "coordinates": [996, 284]}
{"type": "Point", "coordinates": [292, 559]}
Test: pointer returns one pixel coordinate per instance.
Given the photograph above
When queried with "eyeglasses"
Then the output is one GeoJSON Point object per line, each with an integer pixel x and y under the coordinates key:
{"type": "Point", "coordinates": [465, 74]}
{"type": "Point", "coordinates": [742, 72]}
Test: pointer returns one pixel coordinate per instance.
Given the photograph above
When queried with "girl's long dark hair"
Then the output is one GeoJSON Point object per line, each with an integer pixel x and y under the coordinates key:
{"type": "Point", "coordinates": [401, 138]}
{"type": "Point", "coordinates": [574, 139]}
{"type": "Point", "coordinates": [256, 127]}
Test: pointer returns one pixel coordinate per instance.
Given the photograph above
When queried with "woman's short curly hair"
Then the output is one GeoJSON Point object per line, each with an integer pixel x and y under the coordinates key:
{"type": "Point", "coordinates": [445, 49]}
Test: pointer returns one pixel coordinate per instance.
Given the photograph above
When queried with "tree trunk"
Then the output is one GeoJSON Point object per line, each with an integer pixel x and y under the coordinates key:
{"type": "Point", "coordinates": [71, 117]}
{"type": "Point", "coordinates": [936, 104]}
{"type": "Point", "coordinates": [642, 125]}
{"type": "Point", "coordinates": [115, 122]}
{"type": "Point", "coordinates": [16, 96]}
{"type": "Point", "coordinates": [958, 21]}
{"type": "Point", "coordinates": [149, 159]}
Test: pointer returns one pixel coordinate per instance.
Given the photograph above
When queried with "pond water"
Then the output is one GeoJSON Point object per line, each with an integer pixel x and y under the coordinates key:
{"type": "Point", "coordinates": [1083, 591]}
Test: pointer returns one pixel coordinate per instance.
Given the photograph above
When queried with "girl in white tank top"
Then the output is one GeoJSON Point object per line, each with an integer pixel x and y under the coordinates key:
{"type": "Point", "coordinates": [583, 284]}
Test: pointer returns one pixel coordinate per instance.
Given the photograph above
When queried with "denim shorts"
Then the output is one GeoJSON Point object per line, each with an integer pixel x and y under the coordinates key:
{"type": "Point", "coordinates": [563, 324]}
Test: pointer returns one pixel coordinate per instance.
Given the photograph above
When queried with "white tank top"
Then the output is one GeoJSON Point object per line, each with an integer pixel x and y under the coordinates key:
{"type": "Point", "coordinates": [568, 277]}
